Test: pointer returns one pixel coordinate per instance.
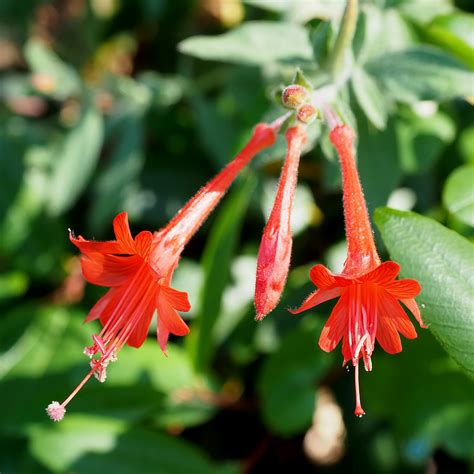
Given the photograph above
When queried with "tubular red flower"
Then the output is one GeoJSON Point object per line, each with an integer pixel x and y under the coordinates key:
{"type": "Point", "coordinates": [139, 270]}
{"type": "Point", "coordinates": [275, 247]}
{"type": "Point", "coordinates": [369, 307]}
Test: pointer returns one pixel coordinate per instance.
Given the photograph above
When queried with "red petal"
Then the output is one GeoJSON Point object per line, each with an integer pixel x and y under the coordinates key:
{"type": "Point", "coordinates": [123, 234]}
{"type": "Point", "coordinates": [346, 349]}
{"type": "Point", "coordinates": [171, 319]}
{"type": "Point", "coordinates": [162, 335]}
{"type": "Point", "coordinates": [91, 246]}
{"type": "Point", "coordinates": [383, 274]}
{"type": "Point", "coordinates": [391, 309]}
{"type": "Point", "coordinates": [103, 305]}
{"type": "Point", "coordinates": [335, 327]}
{"type": "Point", "coordinates": [410, 303]}
{"type": "Point", "coordinates": [322, 277]}
{"type": "Point", "coordinates": [140, 331]}
{"type": "Point", "coordinates": [318, 297]}
{"type": "Point", "coordinates": [177, 299]}
{"type": "Point", "coordinates": [387, 335]}
{"type": "Point", "coordinates": [109, 270]}
{"type": "Point", "coordinates": [406, 288]}
{"type": "Point", "coordinates": [143, 243]}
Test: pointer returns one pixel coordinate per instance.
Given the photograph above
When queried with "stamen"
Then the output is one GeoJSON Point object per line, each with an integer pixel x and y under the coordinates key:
{"type": "Point", "coordinates": [359, 411]}
{"type": "Point", "coordinates": [56, 411]}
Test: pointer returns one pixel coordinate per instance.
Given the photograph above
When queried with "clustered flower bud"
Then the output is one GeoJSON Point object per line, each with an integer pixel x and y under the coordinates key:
{"type": "Point", "coordinates": [306, 114]}
{"type": "Point", "coordinates": [294, 96]}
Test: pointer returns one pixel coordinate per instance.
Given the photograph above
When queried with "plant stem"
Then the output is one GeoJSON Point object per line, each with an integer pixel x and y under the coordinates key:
{"type": "Point", "coordinates": [344, 37]}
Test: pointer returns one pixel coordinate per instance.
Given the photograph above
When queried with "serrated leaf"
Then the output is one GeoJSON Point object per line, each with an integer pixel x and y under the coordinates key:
{"type": "Point", "coordinates": [458, 194]}
{"type": "Point", "coordinates": [442, 261]}
{"type": "Point", "coordinates": [254, 42]}
{"type": "Point", "coordinates": [75, 161]}
{"type": "Point", "coordinates": [421, 73]}
{"type": "Point", "coordinates": [369, 97]}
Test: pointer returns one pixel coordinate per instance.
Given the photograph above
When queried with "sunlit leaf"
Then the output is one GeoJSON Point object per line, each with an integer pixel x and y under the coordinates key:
{"type": "Point", "coordinates": [442, 261]}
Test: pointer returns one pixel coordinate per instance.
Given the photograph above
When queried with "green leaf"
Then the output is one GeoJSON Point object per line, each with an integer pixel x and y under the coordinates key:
{"type": "Point", "coordinates": [12, 285]}
{"type": "Point", "coordinates": [377, 158]}
{"type": "Point", "coordinates": [422, 140]}
{"type": "Point", "coordinates": [11, 170]}
{"type": "Point", "coordinates": [254, 42]}
{"type": "Point", "coordinates": [458, 193]}
{"type": "Point", "coordinates": [369, 97]}
{"type": "Point", "coordinates": [87, 444]}
{"type": "Point", "coordinates": [466, 144]}
{"type": "Point", "coordinates": [288, 380]}
{"type": "Point", "coordinates": [454, 33]}
{"type": "Point", "coordinates": [44, 61]}
{"type": "Point", "coordinates": [421, 73]}
{"type": "Point", "coordinates": [117, 183]}
{"type": "Point", "coordinates": [442, 261]}
{"type": "Point", "coordinates": [75, 161]}
{"type": "Point", "coordinates": [216, 261]}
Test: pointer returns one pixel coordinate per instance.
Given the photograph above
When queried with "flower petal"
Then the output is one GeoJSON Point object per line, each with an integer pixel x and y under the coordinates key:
{"type": "Point", "coordinates": [91, 246]}
{"type": "Point", "coordinates": [383, 274]}
{"type": "Point", "coordinates": [177, 299]}
{"type": "Point", "coordinates": [140, 331]}
{"type": "Point", "coordinates": [335, 327]}
{"type": "Point", "coordinates": [391, 309]}
{"type": "Point", "coordinates": [109, 270]}
{"type": "Point", "coordinates": [406, 288]}
{"type": "Point", "coordinates": [387, 335]}
{"type": "Point", "coordinates": [162, 335]}
{"type": "Point", "coordinates": [171, 319]}
{"type": "Point", "coordinates": [123, 234]}
{"type": "Point", "coordinates": [143, 242]}
{"type": "Point", "coordinates": [318, 297]}
{"type": "Point", "coordinates": [411, 304]}
{"type": "Point", "coordinates": [102, 306]}
{"type": "Point", "coordinates": [322, 277]}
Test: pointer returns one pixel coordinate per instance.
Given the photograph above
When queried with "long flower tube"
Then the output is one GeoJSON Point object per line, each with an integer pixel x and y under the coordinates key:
{"type": "Point", "coordinates": [274, 254]}
{"type": "Point", "coordinates": [369, 295]}
{"type": "Point", "coordinates": [139, 270]}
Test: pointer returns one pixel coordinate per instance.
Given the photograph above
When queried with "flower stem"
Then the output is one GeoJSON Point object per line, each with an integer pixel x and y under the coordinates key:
{"type": "Point", "coordinates": [344, 38]}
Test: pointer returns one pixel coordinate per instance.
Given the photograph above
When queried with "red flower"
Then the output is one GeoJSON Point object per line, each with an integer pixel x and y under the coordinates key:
{"type": "Point", "coordinates": [369, 294]}
{"type": "Point", "coordinates": [275, 248]}
{"type": "Point", "coordinates": [139, 271]}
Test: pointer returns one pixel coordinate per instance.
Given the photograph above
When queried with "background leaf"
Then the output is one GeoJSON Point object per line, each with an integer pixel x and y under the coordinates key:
{"type": "Point", "coordinates": [254, 42]}
{"type": "Point", "coordinates": [458, 194]}
{"type": "Point", "coordinates": [442, 262]}
{"type": "Point", "coordinates": [75, 161]}
{"type": "Point", "coordinates": [438, 75]}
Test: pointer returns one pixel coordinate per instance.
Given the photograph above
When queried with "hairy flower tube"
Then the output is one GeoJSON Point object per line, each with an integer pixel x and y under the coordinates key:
{"type": "Point", "coordinates": [139, 270]}
{"type": "Point", "coordinates": [369, 295]}
{"type": "Point", "coordinates": [274, 254]}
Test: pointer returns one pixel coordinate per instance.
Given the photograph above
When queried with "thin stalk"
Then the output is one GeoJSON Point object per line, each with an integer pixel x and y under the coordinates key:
{"type": "Point", "coordinates": [344, 37]}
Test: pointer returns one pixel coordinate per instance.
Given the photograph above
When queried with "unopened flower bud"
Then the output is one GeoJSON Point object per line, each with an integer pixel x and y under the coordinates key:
{"type": "Point", "coordinates": [293, 96]}
{"type": "Point", "coordinates": [306, 113]}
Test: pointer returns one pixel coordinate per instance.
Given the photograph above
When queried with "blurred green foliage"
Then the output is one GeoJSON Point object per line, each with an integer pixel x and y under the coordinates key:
{"type": "Point", "coordinates": [113, 105]}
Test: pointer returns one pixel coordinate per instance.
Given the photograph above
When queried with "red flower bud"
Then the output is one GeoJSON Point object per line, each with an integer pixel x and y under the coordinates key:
{"type": "Point", "coordinates": [293, 96]}
{"type": "Point", "coordinates": [306, 114]}
{"type": "Point", "coordinates": [275, 248]}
